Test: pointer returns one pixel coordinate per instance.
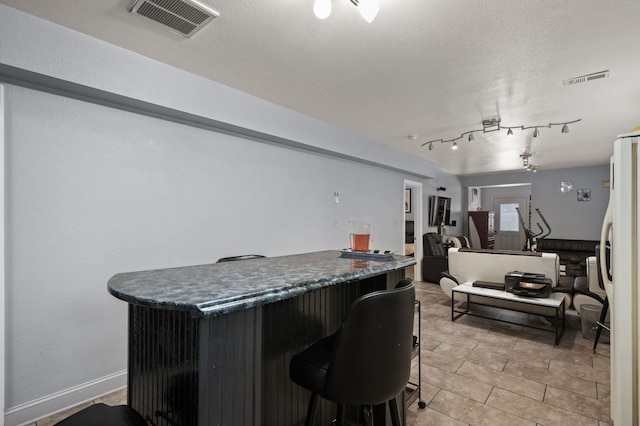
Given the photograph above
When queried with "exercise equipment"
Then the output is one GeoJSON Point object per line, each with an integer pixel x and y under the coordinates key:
{"type": "Point", "coordinates": [532, 238]}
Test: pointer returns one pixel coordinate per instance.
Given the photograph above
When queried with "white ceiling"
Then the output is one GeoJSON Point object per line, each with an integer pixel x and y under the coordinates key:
{"type": "Point", "coordinates": [431, 68]}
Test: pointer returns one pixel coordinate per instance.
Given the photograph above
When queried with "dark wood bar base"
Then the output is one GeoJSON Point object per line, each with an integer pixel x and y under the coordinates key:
{"type": "Point", "coordinates": [233, 369]}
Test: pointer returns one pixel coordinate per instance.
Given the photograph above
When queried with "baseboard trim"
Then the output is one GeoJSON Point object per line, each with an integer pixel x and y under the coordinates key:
{"type": "Point", "coordinates": [31, 411]}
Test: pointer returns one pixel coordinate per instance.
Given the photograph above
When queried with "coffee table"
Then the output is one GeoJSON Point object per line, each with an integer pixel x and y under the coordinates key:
{"type": "Point", "coordinates": [543, 306]}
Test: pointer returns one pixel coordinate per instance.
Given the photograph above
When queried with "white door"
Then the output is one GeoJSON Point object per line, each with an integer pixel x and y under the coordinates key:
{"type": "Point", "coordinates": [509, 233]}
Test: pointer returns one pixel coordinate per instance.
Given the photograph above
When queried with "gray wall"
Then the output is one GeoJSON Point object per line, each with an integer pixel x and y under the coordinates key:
{"type": "Point", "coordinates": [568, 217]}
{"type": "Point", "coordinates": [94, 190]}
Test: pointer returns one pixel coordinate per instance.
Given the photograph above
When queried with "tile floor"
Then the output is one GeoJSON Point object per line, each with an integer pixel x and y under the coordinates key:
{"type": "Point", "coordinates": [482, 372]}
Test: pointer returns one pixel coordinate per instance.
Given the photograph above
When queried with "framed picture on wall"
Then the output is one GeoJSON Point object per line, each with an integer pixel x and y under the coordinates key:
{"type": "Point", "coordinates": [407, 200]}
{"type": "Point", "coordinates": [584, 195]}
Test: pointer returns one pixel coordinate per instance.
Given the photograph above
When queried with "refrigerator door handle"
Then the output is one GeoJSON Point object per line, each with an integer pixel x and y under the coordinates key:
{"type": "Point", "coordinates": [604, 237]}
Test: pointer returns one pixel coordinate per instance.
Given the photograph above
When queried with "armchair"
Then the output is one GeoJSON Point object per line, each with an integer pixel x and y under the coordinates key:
{"type": "Point", "coordinates": [435, 260]}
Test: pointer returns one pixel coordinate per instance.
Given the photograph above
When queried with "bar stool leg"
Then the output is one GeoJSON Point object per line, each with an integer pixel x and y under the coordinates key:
{"type": "Point", "coordinates": [395, 414]}
{"type": "Point", "coordinates": [603, 315]}
{"type": "Point", "coordinates": [311, 411]}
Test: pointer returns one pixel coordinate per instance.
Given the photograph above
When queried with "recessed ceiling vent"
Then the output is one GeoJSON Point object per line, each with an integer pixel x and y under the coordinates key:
{"type": "Point", "coordinates": [585, 78]}
{"type": "Point", "coordinates": [185, 17]}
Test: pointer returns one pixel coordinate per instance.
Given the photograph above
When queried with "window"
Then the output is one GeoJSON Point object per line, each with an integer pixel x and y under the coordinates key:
{"type": "Point", "coordinates": [509, 218]}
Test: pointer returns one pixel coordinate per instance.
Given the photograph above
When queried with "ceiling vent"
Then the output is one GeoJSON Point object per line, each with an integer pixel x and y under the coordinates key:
{"type": "Point", "coordinates": [184, 17]}
{"type": "Point", "coordinates": [585, 78]}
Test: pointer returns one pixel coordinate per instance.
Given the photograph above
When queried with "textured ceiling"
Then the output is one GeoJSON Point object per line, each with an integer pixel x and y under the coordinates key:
{"type": "Point", "coordinates": [431, 68]}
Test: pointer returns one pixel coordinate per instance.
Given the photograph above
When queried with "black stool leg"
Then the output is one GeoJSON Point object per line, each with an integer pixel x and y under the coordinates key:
{"type": "Point", "coordinates": [395, 414]}
{"type": "Point", "coordinates": [340, 415]}
{"type": "Point", "coordinates": [603, 315]}
{"type": "Point", "coordinates": [311, 411]}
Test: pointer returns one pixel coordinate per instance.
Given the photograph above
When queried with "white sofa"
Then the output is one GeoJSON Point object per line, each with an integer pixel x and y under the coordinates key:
{"type": "Point", "coordinates": [468, 265]}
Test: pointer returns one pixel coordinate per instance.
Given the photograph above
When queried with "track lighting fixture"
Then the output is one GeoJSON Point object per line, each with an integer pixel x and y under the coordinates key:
{"type": "Point", "coordinates": [493, 124]}
{"type": "Point", "coordinates": [525, 163]}
{"type": "Point", "coordinates": [368, 9]}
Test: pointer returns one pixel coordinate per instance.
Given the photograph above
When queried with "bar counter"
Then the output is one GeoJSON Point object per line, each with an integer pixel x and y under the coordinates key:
{"type": "Point", "coordinates": [211, 344]}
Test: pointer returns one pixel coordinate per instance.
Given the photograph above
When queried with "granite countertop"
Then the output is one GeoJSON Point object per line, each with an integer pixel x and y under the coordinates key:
{"type": "Point", "coordinates": [220, 288]}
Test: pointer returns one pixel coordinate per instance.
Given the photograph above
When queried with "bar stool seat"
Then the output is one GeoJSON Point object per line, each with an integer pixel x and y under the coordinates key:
{"type": "Point", "coordinates": [367, 361]}
{"type": "Point", "coordinates": [104, 415]}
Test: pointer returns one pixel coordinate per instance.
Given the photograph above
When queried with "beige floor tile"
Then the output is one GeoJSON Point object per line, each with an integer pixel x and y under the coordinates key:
{"type": "Point", "coordinates": [497, 362]}
{"type": "Point", "coordinates": [536, 411]}
{"type": "Point", "coordinates": [472, 412]}
{"type": "Point", "coordinates": [578, 404]}
{"type": "Point", "coordinates": [560, 380]}
{"type": "Point", "coordinates": [429, 417]}
{"type": "Point", "coordinates": [115, 398]}
{"type": "Point", "coordinates": [441, 361]}
{"type": "Point", "coordinates": [510, 382]}
{"type": "Point", "coordinates": [580, 370]}
{"type": "Point", "coordinates": [463, 386]}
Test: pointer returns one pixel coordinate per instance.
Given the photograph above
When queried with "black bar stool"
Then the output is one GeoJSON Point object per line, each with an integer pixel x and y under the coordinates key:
{"type": "Point", "coordinates": [104, 415]}
{"type": "Point", "coordinates": [368, 360]}
{"type": "Point", "coordinates": [605, 305]}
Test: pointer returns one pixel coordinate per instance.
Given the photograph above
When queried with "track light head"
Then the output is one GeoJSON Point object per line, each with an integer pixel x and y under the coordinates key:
{"type": "Point", "coordinates": [431, 146]}
{"type": "Point", "coordinates": [536, 133]}
{"type": "Point", "coordinates": [471, 138]}
{"type": "Point", "coordinates": [509, 132]}
{"type": "Point", "coordinates": [368, 9]}
{"type": "Point", "coordinates": [454, 146]}
{"type": "Point", "coordinates": [565, 128]}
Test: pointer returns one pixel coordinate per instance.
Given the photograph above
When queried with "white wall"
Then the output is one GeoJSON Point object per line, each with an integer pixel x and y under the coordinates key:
{"type": "Point", "coordinates": [92, 191]}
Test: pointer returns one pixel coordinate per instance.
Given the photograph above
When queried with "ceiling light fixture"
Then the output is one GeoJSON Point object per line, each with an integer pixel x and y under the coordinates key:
{"type": "Point", "coordinates": [368, 9]}
{"type": "Point", "coordinates": [322, 8]}
{"type": "Point", "coordinates": [525, 163]}
{"type": "Point", "coordinates": [493, 124]}
{"type": "Point", "coordinates": [454, 146]}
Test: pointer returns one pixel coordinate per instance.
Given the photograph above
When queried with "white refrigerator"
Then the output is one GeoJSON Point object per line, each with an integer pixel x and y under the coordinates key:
{"type": "Point", "coordinates": [621, 228]}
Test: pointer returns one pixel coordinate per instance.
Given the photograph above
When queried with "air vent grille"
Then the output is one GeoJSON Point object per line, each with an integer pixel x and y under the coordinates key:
{"type": "Point", "coordinates": [585, 78]}
{"type": "Point", "coordinates": [182, 16]}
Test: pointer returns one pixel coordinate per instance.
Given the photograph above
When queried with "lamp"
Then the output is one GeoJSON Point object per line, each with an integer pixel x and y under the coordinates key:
{"type": "Point", "coordinates": [493, 124]}
{"type": "Point", "coordinates": [322, 8]}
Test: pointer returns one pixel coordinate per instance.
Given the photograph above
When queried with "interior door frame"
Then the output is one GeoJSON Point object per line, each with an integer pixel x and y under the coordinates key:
{"type": "Point", "coordinates": [416, 195]}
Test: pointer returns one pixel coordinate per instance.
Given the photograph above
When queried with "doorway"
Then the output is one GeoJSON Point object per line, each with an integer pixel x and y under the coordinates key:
{"type": "Point", "coordinates": [509, 233]}
{"type": "Point", "coordinates": [413, 213]}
